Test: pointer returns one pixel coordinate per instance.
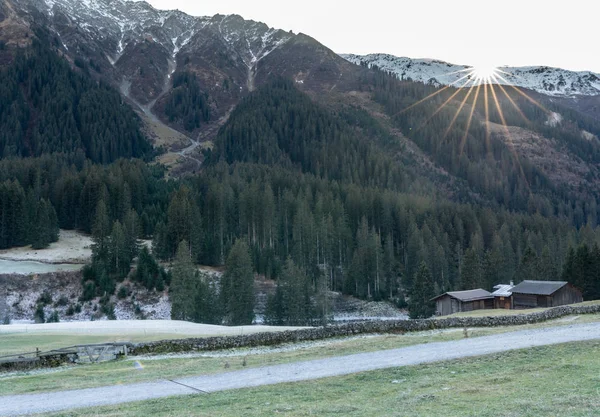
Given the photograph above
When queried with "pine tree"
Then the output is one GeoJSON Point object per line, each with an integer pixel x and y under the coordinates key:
{"type": "Point", "coordinates": [119, 251]}
{"type": "Point", "coordinates": [237, 285]}
{"type": "Point", "coordinates": [101, 232]}
{"type": "Point", "coordinates": [147, 271]}
{"type": "Point", "coordinates": [184, 284]}
{"type": "Point", "coordinates": [291, 304]}
{"type": "Point", "coordinates": [420, 304]}
{"type": "Point", "coordinates": [547, 270]}
{"type": "Point", "coordinates": [528, 268]}
{"type": "Point", "coordinates": [472, 274]}
{"type": "Point", "coordinates": [207, 304]}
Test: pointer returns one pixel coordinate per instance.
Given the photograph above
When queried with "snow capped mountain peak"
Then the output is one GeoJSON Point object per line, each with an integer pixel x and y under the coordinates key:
{"type": "Point", "coordinates": [545, 80]}
{"type": "Point", "coordinates": [117, 23]}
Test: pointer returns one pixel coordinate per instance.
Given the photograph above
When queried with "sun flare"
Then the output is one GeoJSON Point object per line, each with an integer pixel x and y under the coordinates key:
{"type": "Point", "coordinates": [484, 72]}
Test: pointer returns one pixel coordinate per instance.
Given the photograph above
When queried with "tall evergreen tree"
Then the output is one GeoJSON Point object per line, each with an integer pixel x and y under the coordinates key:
{"type": "Point", "coordinates": [237, 285]}
{"type": "Point", "coordinates": [184, 283]}
{"type": "Point", "coordinates": [420, 305]}
{"type": "Point", "coordinates": [207, 304]}
{"type": "Point", "coordinates": [528, 268]}
{"type": "Point", "coordinates": [472, 273]}
{"type": "Point", "coordinates": [291, 304]}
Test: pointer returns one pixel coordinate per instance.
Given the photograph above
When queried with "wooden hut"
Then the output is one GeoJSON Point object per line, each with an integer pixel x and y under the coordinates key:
{"type": "Point", "coordinates": [458, 301]}
{"type": "Point", "coordinates": [503, 296]}
{"type": "Point", "coordinates": [532, 294]}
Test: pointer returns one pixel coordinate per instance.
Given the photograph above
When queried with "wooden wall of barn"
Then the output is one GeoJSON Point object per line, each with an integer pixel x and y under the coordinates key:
{"type": "Point", "coordinates": [566, 295]}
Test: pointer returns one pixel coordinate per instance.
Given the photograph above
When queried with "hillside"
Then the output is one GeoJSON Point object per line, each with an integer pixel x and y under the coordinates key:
{"type": "Point", "coordinates": [364, 181]}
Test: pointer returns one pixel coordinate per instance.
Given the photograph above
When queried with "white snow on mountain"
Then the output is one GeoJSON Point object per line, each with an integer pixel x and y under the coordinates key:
{"type": "Point", "coordinates": [117, 23]}
{"type": "Point", "coordinates": [550, 81]}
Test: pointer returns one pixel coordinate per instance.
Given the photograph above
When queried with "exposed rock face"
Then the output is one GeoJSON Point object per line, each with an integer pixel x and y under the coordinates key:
{"type": "Point", "coordinates": [137, 48]}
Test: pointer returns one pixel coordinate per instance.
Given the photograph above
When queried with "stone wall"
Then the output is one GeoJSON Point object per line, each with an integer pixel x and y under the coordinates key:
{"type": "Point", "coordinates": [350, 329]}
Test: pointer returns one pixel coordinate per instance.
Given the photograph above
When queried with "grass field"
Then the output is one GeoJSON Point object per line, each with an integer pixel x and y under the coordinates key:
{"type": "Point", "coordinates": [24, 338]}
{"type": "Point", "coordinates": [125, 371]}
{"type": "Point", "coordinates": [561, 380]}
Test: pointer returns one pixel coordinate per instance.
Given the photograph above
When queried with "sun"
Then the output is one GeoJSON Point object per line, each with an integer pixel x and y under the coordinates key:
{"type": "Point", "coordinates": [483, 72]}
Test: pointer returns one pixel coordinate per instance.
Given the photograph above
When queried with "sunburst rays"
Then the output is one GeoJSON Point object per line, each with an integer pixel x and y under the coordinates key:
{"type": "Point", "coordinates": [471, 84]}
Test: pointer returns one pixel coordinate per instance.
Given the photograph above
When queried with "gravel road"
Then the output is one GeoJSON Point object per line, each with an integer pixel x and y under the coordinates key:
{"type": "Point", "coordinates": [301, 371]}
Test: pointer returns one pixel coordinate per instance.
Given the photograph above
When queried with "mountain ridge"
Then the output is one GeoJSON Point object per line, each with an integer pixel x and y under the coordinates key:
{"type": "Point", "coordinates": [555, 82]}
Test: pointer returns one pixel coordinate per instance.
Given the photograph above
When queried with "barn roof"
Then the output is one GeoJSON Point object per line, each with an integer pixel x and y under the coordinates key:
{"type": "Point", "coordinates": [539, 287]}
{"type": "Point", "coordinates": [469, 295]}
{"type": "Point", "coordinates": [503, 290]}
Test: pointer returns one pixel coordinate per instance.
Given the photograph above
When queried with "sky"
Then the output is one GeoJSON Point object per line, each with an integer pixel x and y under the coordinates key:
{"type": "Point", "coordinates": [555, 33]}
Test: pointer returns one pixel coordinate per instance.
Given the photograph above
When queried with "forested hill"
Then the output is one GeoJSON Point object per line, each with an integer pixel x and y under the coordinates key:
{"type": "Point", "coordinates": [47, 107]}
{"type": "Point", "coordinates": [364, 183]}
{"type": "Point", "coordinates": [515, 150]}
{"type": "Point", "coordinates": [279, 125]}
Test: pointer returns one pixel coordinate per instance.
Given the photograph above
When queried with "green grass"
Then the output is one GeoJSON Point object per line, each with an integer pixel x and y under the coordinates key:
{"type": "Point", "coordinates": [561, 380]}
{"type": "Point", "coordinates": [124, 372]}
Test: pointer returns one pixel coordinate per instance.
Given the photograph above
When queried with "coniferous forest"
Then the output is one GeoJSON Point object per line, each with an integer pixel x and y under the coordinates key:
{"type": "Point", "coordinates": [314, 197]}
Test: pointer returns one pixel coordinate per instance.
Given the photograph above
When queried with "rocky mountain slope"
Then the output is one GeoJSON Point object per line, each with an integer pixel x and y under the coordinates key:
{"type": "Point", "coordinates": [185, 75]}
{"type": "Point", "coordinates": [139, 48]}
{"type": "Point", "coordinates": [545, 80]}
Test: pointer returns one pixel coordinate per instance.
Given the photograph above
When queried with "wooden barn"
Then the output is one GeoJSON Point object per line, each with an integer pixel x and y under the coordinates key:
{"type": "Point", "coordinates": [532, 294]}
{"type": "Point", "coordinates": [503, 296]}
{"type": "Point", "coordinates": [458, 301]}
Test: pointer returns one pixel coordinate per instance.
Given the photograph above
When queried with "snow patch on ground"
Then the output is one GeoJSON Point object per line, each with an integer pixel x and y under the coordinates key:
{"type": "Point", "coordinates": [589, 136]}
{"type": "Point", "coordinates": [34, 267]}
{"type": "Point", "coordinates": [139, 327]}
{"type": "Point", "coordinates": [72, 248]}
{"type": "Point", "coordinates": [554, 119]}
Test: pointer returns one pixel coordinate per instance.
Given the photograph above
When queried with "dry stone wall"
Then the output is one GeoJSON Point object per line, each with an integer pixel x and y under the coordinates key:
{"type": "Point", "coordinates": [351, 329]}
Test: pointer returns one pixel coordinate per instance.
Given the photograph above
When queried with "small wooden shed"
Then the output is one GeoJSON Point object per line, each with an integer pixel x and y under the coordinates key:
{"type": "Point", "coordinates": [503, 296]}
{"type": "Point", "coordinates": [458, 301]}
{"type": "Point", "coordinates": [532, 294]}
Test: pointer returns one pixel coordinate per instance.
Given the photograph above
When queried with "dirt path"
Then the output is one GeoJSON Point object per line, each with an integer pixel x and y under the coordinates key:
{"type": "Point", "coordinates": [300, 371]}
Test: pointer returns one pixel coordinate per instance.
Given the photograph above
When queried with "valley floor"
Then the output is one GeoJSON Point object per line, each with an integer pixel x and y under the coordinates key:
{"type": "Point", "coordinates": [558, 380]}
{"type": "Point", "coordinates": [456, 381]}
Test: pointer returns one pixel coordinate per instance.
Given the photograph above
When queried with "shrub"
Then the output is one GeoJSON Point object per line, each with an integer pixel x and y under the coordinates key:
{"type": "Point", "coordinates": [89, 291]}
{"type": "Point", "coordinates": [123, 292]}
{"type": "Point", "coordinates": [104, 300]}
{"type": "Point", "coordinates": [6, 319]}
{"type": "Point", "coordinates": [45, 298]}
{"type": "Point", "coordinates": [109, 310]}
{"type": "Point", "coordinates": [54, 318]}
{"type": "Point", "coordinates": [39, 316]}
{"type": "Point", "coordinates": [70, 311]}
{"type": "Point", "coordinates": [61, 302]}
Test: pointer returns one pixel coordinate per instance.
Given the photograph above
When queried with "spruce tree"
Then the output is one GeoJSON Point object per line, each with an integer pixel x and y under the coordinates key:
{"type": "Point", "coordinates": [291, 305]}
{"type": "Point", "coordinates": [420, 305]}
{"type": "Point", "coordinates": [472, 273]}
{"type": "Point", "coordinates": [184, 282]}
{"type": "Point", "coordinates": [207, 304]}
{"type": "Point", "coordinates": [237, 286]}
{"type": "Point", "coordinates": [529, 266]}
